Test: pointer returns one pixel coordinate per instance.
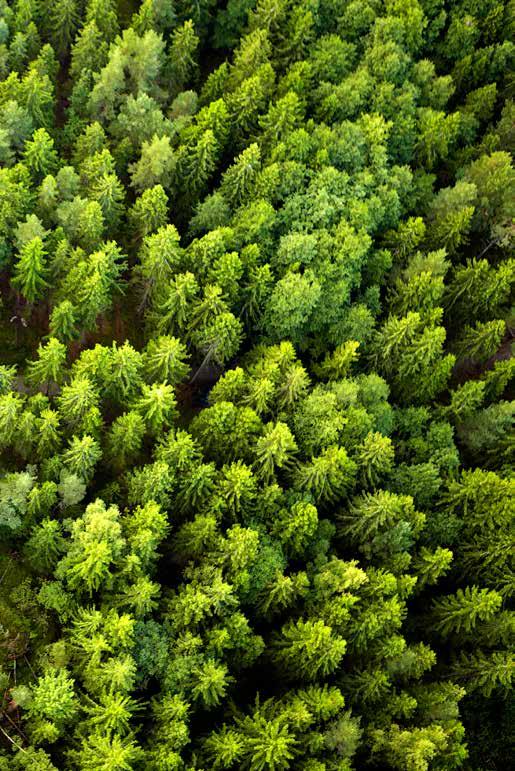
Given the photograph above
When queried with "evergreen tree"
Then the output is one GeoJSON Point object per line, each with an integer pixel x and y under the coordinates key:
{"type": "Point", "coordinates": [64, 22]}
{"type": "Point", "coordinates": [31, 270]}
{"type": "Point", "coordinates": [157, 406]}
{"type": "Point", "coordinates": [463, 610]}
{"type": "Point", "coordinates": [165, 360]}
{"type": "Point", "coordinates": [50, 365]}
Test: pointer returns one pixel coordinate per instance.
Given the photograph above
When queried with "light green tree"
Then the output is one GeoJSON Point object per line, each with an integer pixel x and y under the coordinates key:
{"type": "Point", "coordinates": [50, 366]}
{"type": "Point", "coordinates": [157, 405]}
{"type": "Point", "coordinates": [31, 270]}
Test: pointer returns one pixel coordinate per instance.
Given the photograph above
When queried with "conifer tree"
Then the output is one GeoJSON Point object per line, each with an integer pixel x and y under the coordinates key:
{"type": "Point", "coordinates": [308, 648]}
{"type": "Point", "coordinates": [65, 20]}
{"type": "Point", "coordinates": [40, 155]}
{"type": "Point", "coordinates": [82, 455]}
{"type": "Point", "coordinates": [157, 406]}
{"type": "Point", "coordinates": [50, 365]}
{"type": "Point", "coordinates": [465, 609]}
{"type": "Point", "coordinates": [63, 320]}
{"type": "Point", "coordinates": [31, 270]}
{"type": "Point", "coordinates": [484, 672]}
{"type": "Point", "coordinates": [165, 360]}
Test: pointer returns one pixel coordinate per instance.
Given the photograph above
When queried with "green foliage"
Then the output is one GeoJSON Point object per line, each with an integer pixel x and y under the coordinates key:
{"type": "Point", "coordinates": [96, 542]}
{"type": "Point", "coordinates": [50, 365]}
{"type": "Point", "coordinates": [53, 703]}
{"type": "Point", "coordinates": [307, 649]}
{"type": "Point", "coordinates": [157, 406]}
{"type": "Point", "coordinates": [30, 270]}
{"type": "Point", "coordinates": [14, 492]}
{"type": "Point", "coordinates": [409, 351]}
{"type": "Point", "coordinates": [256, 428]}
{"type": "Point", "coordinates": [463, 610]}
{"type": "Point", "coordinates": [483, 672]}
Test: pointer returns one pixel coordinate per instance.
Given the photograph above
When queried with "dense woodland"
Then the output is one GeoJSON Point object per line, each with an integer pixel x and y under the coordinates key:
{"type": "Point", "coordinates": [256, 436]}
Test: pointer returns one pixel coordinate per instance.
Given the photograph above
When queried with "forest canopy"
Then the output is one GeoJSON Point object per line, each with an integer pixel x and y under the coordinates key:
{"type": "Point", "coordinates": [256, 385]}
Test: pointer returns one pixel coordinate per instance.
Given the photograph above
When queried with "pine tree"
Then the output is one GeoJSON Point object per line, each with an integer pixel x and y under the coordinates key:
{"type": "Point", "coordinates": [223, 748]}
{"type": "Point", "coordinates": [109, 193]}
{"type": "Point", "coordinates": [239, 179]}
{"type": "Point", "coordinates": [375, 458]}
{"type": "Point", "coordinates": [411, 353]}
{"type": "Point", "coordinates": [338, 363]}
{"type": "Point", "coordinates": [40, 155]}
{"type": "Point", "coordinates": [156, 165]}
{"type": "Point", "coordinates": [149, 211]}
{"type": "Point", "coordinates": [104, 13]}
{"type": "Point", "coordinates": [82, 456]}
{"type": "Point", "coordinates": [283, 592]}
{"type": "Point", "coordinates": [77, 399]}
{"type": "Point", "coordinates": [199, 163]}
{"type": "Point", "coordinates": [479, 291]}
{"type": "Point", "coordinates": [219, 339]}
{"type": "Point", "coordinates": [484, 672]}
{"type": "Point", "coordinates": [269, 744]}
{"type": "Point", "coordinates": [196, 485]}
{"type": "Point", "coordinates": [11, 406]}
{"type": "Point", "coordinates": [211, 684]}
{"type": "Point", "coordinates": [482, 341]}
{"type": "Point", "coordinates": [122, 376]}
{"type": "Point", "coordinates": [46, 544]}
{"type": "Point", "coordinates": [125, 439]}
{"type": "Point", "coordinates": [238, 489]}
{"type": "Point", "coordinates": [63, 321]}
{"type": "Point", "coordinates": [157, 406]}
{"type": "Point", "coordinates": [111, 715]}
{"type": "Point", "coordinates": [274, 450]}
{"type": "Point", "coordinates": [160, 257]}
{"type": "Point", "coordinates": [31, 270]}
{"type": "Point", "coordinates": [296, 527]}
{"type": "Point", "coordinates": [429, 566]}
{"type": "Point", "coordinates": [381, 524]}
{"type": "Point", "coordinates": [410, 749]}
{"type": "Point", "coordinates": [96, 542]}
{"type": "Point", "coordinates": [50, 365]}
{"type": "Point", "coordinates": [183, 47]}
{"type": "Point", "coordinates": [109, 751]}
{"type": "Point", "coordinates": [64, 22]}
{"type": "Point", "coordinates": [307, 648]}
{"type": "Point", "coordinates": [165, 360]}
{"type": "Point", "coordinates": [48, 438]}
{"type": "Point", "coordinates": [464, 609]}
{"type": "Point", "coordinates": [53, 703]}
{"type": "Point", "coordinates": [327, 477]}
